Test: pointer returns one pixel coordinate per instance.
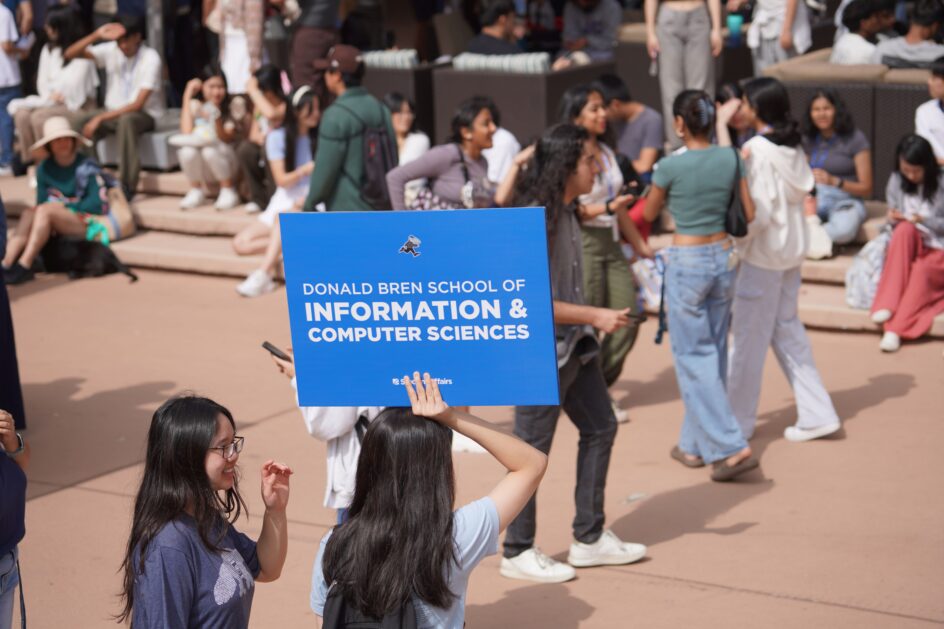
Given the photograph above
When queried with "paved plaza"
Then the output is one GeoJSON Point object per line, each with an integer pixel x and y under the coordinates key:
{"type": "Point", "coordinates": [845, 532]}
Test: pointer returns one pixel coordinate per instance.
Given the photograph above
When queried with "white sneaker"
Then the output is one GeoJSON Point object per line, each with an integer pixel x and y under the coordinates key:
{"type": "Point", "coordinates": [252, 208]}
{"type": "Point", "coordinates": [622, 415]}
{"type": "Point", "coordinates": [6, 171]}
{"type": "Point", "coordinates": [227, 199]}
{"type": "Point", "coordinates": [258, 283]}
{"type": "Point", "coordinates": [881, 316]}
{"type": "Point", "coordinates": [890, 342]}
{"type": "Point", "coordinates": [533, 565]}
{"type": "Point", "coordinates": [797, 434]}
{"type": "Point", "coordinates": [192, 199]}
{"type": "Point", "coordinates": [609, 550]}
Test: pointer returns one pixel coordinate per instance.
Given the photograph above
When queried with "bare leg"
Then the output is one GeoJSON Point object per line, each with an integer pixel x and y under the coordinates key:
{"type": "Point", "coordinates": [273, 254]}
{"type": "Point", "coordinates": [252, 240]}
{"type": "Point", "coordinates": [50, 217]}
{"type": "Point", "coordinates": [17, 241]}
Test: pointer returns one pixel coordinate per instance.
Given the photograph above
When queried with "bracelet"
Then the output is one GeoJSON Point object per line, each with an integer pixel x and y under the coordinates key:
{"type": "Point", "coordinates": [19, 450]}
{"type": "Point", "coordinates": [606, 206]}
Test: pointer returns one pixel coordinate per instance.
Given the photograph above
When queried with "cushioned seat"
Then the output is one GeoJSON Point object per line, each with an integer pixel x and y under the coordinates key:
{"type": "Point", "coordinates": [156, 153]}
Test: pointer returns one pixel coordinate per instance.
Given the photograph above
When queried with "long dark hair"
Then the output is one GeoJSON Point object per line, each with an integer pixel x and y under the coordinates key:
{"type": "Point", "coordinates": [466, 113]}
{"type": "Point", "coordinates": [697, 111]}
{"type": "Point", "coordinates": [397, 541]}
{"type": "Point", "coordinates": [843, 124]}
{"type": "Point", "coordinates": [769, 100]}
{"type": "Point", "coordinates": [175, 480]}
{"type": "Point", "coordinates": [555, 159]}
{"type": "Point", "coordinates": [918, 152]}
{"type": "Point", "coordinates": [301, 100]}
{"type": "Point", "coordinates": [573, 101]}
{"type": "Point", "coordinates": [68, 26]}
{"type": "Point", "coordinates": [394, 102]}
{"type": "Point", "coordinates": [212, 70]}
{"type": "Point", "coordinates": [269, 78]}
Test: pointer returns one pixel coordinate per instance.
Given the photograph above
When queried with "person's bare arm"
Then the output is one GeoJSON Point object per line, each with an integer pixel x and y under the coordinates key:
{"type": "Point", "coordinates": [647, 159]}
{"type": "Point", "coordinates": [25, 22]}
{"type": "Point", "coordinates": [285, 179]}
{"type": "Point", "coordinates": [747, 202]}
{"type": "Point", "coordinates": [105, 32]}
{"type": "Point", "coordinates": [714, 10]}
{"type": "Point", "coordinates": [654, 203]}
{"type": "Point", "coordinates": [506, 189]}
{"type": "Point", "coordinates": [631, 233]}
{"type": "Point", "coordinates": [274, 113]}
{"type": "Point", "coordinates": [863, 167]}
{"type": "Point", "coordinates": [272, 547]}
{"type": "Point", "coordinates": [603, 319]}
{"type": "Point", "coordinates": [786, 35]}
{"type": "Point", "coordinates": [186, 115]}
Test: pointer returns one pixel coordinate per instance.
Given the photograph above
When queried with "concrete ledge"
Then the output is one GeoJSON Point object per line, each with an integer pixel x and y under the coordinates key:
{"type": "Point", "coordinates": [163, 213]}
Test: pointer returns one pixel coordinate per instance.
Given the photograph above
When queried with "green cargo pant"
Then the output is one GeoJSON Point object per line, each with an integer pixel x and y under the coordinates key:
{"type": "Point", "coordinates": [609, 283]}
{"type": "Point", "coordinates": [127, 127]}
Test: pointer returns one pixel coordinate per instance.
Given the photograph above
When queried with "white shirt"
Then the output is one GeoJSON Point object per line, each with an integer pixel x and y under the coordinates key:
{"type": "Point", "coordinates": [606, 185]}
{"type": "Point", "coordinates": [124, 77]}
{"type": "Point", "coordinates": [500, 157]}
{"type": "Point", "coordinates": [414, 145]}
{"type": "Point", "coordinates": [852, 49]}
{"type": "Point", "coordinates": [929, 124]}
{"type": "Point", "coordinates": [768, 19]}
{"type": "Point", "coordinates": [9, 64]}
{"type": "Point", "coordinates": [76, 81]}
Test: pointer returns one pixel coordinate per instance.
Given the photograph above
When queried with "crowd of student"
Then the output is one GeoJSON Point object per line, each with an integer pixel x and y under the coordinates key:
{"type": "Point", "coordinates": [606, 173]}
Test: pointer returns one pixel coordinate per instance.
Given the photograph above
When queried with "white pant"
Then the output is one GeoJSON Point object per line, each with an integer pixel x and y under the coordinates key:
{"type": "Point", "coordinates": [208, 164]}
{"type": "Point", "coordinates": [765, 315]}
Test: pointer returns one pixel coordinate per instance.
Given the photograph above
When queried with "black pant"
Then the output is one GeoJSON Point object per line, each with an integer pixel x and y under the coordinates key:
{"type": "Point", "coordinates": [256, 171]}
{"type": "Point", "coordinates": [587, 402]}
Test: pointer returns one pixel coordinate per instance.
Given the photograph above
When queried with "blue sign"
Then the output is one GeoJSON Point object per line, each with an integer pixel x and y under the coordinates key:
{"type": "Point", "coordinates": [462, 294]}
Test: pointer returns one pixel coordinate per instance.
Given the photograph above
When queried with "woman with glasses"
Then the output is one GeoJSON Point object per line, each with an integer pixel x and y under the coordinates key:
{"type": "Point", "coordinates": [186, 565]}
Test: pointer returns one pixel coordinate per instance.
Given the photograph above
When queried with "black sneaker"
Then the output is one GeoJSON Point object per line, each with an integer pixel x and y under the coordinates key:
{"type": "Point", "coordinates": [17, 274]}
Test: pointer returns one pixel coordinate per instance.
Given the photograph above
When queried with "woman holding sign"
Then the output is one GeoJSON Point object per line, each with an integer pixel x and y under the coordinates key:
{"type": "Point", "coordinates": [404, 552]}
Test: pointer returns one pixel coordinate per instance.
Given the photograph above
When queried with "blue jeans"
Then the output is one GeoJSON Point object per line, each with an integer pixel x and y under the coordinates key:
{"type": "Point", "coordinates": [842, 214]}
{"type": "Point", "coordinates": [6, 123]}
{"type": "Point", "coordinates": [699, 290]}
{"type": "Point", "coordinates": [9, 579]}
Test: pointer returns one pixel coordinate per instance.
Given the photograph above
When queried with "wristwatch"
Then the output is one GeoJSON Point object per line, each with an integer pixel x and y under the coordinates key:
{"type": "Point", "coordinates": [606, 206]}
{"type": "Point", "coordinates": [19, 449]}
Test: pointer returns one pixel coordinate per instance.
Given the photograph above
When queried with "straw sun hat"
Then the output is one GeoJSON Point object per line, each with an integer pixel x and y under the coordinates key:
{"type": "Point", "coordinates": [55, 128]}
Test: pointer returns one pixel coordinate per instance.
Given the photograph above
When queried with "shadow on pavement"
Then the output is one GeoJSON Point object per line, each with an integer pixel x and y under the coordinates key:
{"type": "Point", "coordinates": [632, 394]}
{"type": "Point", "coordinates": [690, 510]}
{"type": "Point", "coordinates": [75, 439]}
{"type": "Point", "coordinates": [542, 605]}
{"type": "Point", "coordinates": [42, 282]}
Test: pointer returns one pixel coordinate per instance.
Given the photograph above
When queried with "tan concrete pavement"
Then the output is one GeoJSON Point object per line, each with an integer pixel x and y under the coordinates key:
{"type": "Point", "coordinates": [840, 533]}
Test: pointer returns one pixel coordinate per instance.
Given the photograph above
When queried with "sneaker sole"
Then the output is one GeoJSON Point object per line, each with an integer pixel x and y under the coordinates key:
{"type": "Point", "coordinates": [514, 573]}
{"type": "Point", "coordinates": [612, 560]}
{"type": "Point", "coordinates": [809, 435]}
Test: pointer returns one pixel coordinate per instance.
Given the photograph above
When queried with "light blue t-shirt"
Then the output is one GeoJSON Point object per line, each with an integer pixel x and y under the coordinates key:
{"type": "Point", "coordinates": [475, 531]}
{"type": "Point", "coordinates": [275, 147]}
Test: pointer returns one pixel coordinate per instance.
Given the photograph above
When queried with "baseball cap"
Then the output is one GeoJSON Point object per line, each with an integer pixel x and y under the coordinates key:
{"type": "Point", "coordinates": [341, 58]}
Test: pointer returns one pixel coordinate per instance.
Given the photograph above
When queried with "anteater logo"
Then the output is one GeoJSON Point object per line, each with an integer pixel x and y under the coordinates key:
{"type": "Point", "coordinates": [411, 245]}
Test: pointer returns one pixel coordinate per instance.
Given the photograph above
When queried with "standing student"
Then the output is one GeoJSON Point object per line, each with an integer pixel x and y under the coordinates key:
{"type": "Point", "coordinates": [768, 281]}
{"type": "Point", "coordinates": [683, 37]}
{"type": "Point", "coordinates": [699, 284]}
{"type": "Point", "coordinates": [185, 564]}
{"type": "Point", "coordinates": [564, 167]}
{"type": "Point", "coordinates": [10, 87]}
{"type": "Point", "coordinates": [779, 30]}
{"type": "Point", "coordinates": [403, 545]}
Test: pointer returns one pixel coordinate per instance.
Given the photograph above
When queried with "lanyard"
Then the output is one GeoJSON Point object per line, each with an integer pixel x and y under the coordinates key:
{"type": "Point", "coordinates": [821, 152]}
{"type": "Point", "coordinates": [127, 75]}
{"type": "Point", "coordinates": [604, 169]}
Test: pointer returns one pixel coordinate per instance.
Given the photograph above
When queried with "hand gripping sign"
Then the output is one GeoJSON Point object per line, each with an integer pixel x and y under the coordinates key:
{"type": "Point", "coordinates": [462, 294]}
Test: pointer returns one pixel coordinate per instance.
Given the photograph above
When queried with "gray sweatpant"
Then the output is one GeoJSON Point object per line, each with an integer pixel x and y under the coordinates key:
{"type": "Point", "coordinates": [685, 61]}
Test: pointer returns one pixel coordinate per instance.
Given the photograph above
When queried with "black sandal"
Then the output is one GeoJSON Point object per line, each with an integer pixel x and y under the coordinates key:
{"type": "Point", "coordinates": [723, 472]}
{"type": "Point", "coordinates": [682, 458]}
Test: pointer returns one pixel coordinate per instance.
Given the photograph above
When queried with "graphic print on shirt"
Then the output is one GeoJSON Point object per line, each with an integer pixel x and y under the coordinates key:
{"type": "Point", "coordinates": [233, 575]}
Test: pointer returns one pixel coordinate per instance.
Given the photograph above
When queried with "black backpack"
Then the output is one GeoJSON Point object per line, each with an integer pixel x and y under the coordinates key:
{"type": "Point", "coordinates": [339, 615]}
{"type": "Point", "coordinates": [380, 157]}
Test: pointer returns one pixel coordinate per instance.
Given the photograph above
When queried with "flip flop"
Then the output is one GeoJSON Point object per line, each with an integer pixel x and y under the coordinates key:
{"type": "Point", "coordinates": [723, 472]}
{"type": "Point", "coordinates": [679, 456]}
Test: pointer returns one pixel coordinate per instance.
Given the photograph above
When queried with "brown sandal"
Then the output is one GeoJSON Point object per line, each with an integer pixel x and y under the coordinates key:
{"type": "Point", "coordinates": [682, 458]}
{"type": "Point", "coordinates": [723, 472]}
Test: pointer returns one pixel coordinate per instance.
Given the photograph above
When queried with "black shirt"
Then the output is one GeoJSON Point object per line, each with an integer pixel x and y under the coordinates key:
{"type": "Point", "coordinates": [12, 504]}
{"type": "Point", "coordinates": [318, 13]}
{"type": "Point", "coordinates": [483, 44]}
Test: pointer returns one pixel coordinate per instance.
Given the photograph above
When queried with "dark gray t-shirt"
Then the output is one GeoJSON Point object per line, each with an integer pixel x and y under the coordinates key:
{"type": "Point", "coordinates": [643, 132]}
{"type": "Point", "coordinates": [836, 155]}
{"type": "Point", "coordinates": [185, 584]}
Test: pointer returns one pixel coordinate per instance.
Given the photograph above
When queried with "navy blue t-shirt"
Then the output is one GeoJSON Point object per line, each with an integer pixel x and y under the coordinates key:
{"type": "Point", "coordinates": [12, 504]}
{"type": "Point", "coordinates": [185, 584]}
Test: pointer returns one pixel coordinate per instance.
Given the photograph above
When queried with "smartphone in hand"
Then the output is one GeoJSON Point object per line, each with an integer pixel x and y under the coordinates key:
{"type": "Point", "coordinates": [275, 351]}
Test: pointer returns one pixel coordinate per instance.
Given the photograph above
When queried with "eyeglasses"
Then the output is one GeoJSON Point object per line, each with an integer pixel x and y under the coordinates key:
{"type": "Point", "coordinates": [231, 449]}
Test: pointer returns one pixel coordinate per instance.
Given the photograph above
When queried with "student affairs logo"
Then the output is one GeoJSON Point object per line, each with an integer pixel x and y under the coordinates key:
{"type": "Point", "coordinates": [411, 245]}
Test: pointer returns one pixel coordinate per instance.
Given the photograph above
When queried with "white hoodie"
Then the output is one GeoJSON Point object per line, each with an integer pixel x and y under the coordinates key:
{"type": "Point", "coordinates": [779, 179]}
{"type": "Point", "coordinates": [335, 426]}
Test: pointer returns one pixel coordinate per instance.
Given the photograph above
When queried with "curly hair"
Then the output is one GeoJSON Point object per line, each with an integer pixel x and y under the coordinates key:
{"type": "Point", "coordinates": [843, 124]}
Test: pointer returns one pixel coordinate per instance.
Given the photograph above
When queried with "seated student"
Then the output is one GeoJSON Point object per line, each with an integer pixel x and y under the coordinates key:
{"type": "Point", "coordinates": [289, 150]}
{"type": "Point", "coordinates": [207, 155]}
{"type": "Point", "coordinates": [63, 87]}
{"type": "Point", "coordinates": [910, 291]}
{"type": "Point", "coordinates": [14, 455]}
{"type": "Point", "coordinates": [64, 200]}
{"type": "Point", "coordinates": [592, 26]}
{"type": "Point", "coordinates": [265, 91]}
{"type": "Point", "coordinates": [411, 144]}
{"type": "Point", "coordinates": [917, 47]}
{"type": "Point", "coordinates": [402, 522]}
{"type": "Point", "coordinates": [841, 160]}
{"type": "Point", "coordinates": [929, 117]}
{"type": "Point", "coordinates": [886, 18]}
{"type": "Point", "coordinates": [861, 18]}
{"type": "Point", "coordinates": [134, 97]}
{"type": "Point", "coordinates": [638, 128]}
{"type": "Point", "coordinates": [497, 34]}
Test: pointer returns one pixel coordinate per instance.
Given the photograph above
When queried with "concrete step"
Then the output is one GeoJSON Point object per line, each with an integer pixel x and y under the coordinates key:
{"type": "Point", "coordinates": [162, 213]}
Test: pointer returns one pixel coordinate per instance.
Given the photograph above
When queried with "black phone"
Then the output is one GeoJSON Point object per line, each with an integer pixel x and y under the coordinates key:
{"type": "Point", "coordinates": [645, 191]}
{"type": "Point", "coordinates": [275, 351]}
{"type": "Point", "coordinates": [638, 318]}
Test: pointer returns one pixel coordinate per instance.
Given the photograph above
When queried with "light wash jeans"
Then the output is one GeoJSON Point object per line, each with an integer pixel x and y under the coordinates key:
{"type": "Point", "coordinates": [9, 579]}
{"type": "Point", "coordinates": [699, 289]}
{"type": "Point", "coordinates": [842, 214]}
